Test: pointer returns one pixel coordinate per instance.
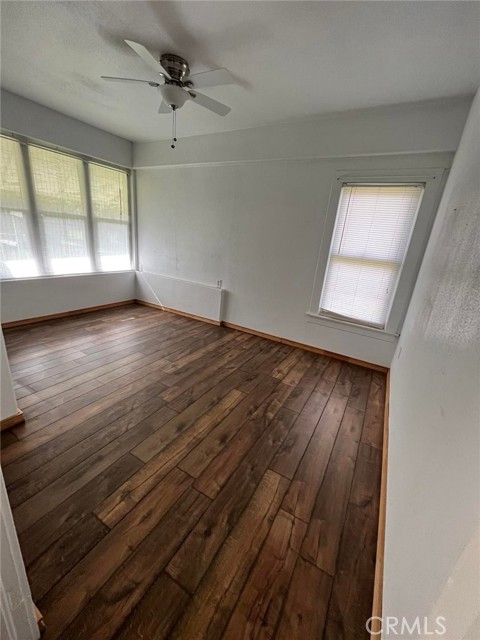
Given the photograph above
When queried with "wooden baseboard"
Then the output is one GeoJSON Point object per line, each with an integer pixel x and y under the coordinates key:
{"type": "Point", "coordinates": [307, 347]}
{"type": "Point", "coordinates": [64, 314]}
{"type": "Point", "coordinates": [39, 619]}
{"type": "Point", "coordinates": [12, 421]}
{"type": "Point", "coordinates": [377, 606]}
{"type": "Point", "coordinates": [179, 313]}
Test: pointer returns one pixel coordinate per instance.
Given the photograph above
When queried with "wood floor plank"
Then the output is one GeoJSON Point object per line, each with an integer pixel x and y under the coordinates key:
{"type": "Point", "coordinates": [283, 369]}
{"type": "Point", "coordinates": [259, 606]}
{"type": "Point", "coordinates": [41, 406]}
{"type": "Point", "coordinates": [35, 540]}
{"type": "Point", "coordinates": [195, 555]}
{"type": "Point", "coordinates": [157, 612]}
{"type": "Point", "coordinates": [102, 391]}
{"type": "Point", "coordinates": [352, 591]}
{"type": "Point", "coordinates": [214, 600]}
{"type": "Point", "coordinates": [305, 609]}
{"type": "Point", "coordinates": [214, 377]}
{"type": "Point", "coordinates": [103, 616]}
{"type": "Point", "coordinates": [307, 384]}
{"type": "Point", "coordinates": [322, 541]}
{"type": "Point", "coordinates": [361, 378]}
{"type": "Point", "coordinates": [344, 380]}
{"type": "Point", "coordinates": [121, 501]}
{"type": "Point", "coordinates": [35, 481]}
{"type": "Point", "coordinates": [216, 474]}
{"type": "Point", "coordinates": [299, 369]}
{"type": "Point", "coordinates": [140, 379]}
{"type": "Point", "coordinates": [66, 485]}
{"type": "Point", "coordinates": [64, 554]}
{"type": "Point", "coordinates": [303, 490]}
{"type": "Point", "coordinates": [201, 456]}
{"type": "Point", "coordinates": [189, 382]}
{"type": "Point", "coordinates": [64, 440]}
{"type": "Point", "coordinates": [147, 449]}
{"type": "Point", "coordinates": [7, 438]}
{"type": "Point", "coordinates": [67, 598]}
{"type": "Point", "coordinates": [366, 482]}
{"type": "Point", "coordinates": [374, 415]}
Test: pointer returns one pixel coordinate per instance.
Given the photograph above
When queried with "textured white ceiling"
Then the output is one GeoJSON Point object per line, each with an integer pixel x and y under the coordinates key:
{"type": "Point", "coordinates": [291, 59]}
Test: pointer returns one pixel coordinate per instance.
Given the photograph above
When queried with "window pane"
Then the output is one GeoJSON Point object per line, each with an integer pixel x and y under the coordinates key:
{"type": "Point", "coordinates": [375, 221]}
{"type": "Point", "coordinates": [16, 254]}
{"type": "Point", "coordinates": [66, 245]}
{"type": "Point", "coordinates": [109, 189]}
{"type": "Point", "coordinates": [113, 246]}
{"type": "Point", "coordinates": [109, 193]}
{"type": "Point", "coordinates": [359, 290]}
{"type": "Point", "coordinates": [60, 200]}
{"type": "Point", "coordinates": [370, 240]}
{"type": "Point", "coordinates": [57, 180]}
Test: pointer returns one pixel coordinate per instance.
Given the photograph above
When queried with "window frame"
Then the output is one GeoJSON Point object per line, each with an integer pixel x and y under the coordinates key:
{"type": "Point", "coordinates": [36, 224]}
{"type": "Point", "coordinates": [433, 180]}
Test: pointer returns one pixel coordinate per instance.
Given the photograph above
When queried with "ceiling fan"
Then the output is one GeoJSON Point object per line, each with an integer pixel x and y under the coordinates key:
{"type": "Point", "coordinates": [177, 84]}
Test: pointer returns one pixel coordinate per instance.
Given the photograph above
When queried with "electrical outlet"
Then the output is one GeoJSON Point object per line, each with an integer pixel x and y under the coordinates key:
{"type": "Point", "coordinates": [219, 284]}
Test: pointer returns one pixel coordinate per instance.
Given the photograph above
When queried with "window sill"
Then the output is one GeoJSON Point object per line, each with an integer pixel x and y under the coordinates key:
{"type": "Point", "coordinates": [351, 327]}
{"type": "Point", "coordinates": [65, 275]}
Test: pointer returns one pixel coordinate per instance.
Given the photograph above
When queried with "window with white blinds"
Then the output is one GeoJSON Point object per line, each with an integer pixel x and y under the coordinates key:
{"type": "Point", "coordinates": [74, 219]}
{"type": "Point", "coordinates": [17, 258]}
{"type": "Point", "coordinates": [61, 206]}
{"type": "Point", "coordinates": [110, 213]}
{"type": "Point", "coordinates": [372, 232]}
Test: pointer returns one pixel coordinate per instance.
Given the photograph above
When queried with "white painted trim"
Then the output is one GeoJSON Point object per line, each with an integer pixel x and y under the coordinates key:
{"type": "Point", "coordinates": [49, 276]}
{"type": "Point", "coordinates": [352, 327]}
{"type": "Point", "coordinates": [17, 618]}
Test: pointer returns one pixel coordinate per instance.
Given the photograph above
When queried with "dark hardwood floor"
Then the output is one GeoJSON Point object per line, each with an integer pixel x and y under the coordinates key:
{"type": "Point", "coordinates": [177, 479]}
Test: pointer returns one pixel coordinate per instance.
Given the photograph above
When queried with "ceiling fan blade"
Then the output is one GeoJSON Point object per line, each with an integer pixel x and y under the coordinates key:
{"type": "Point", "coordinates": [209, 103]}
{"type": "Point", "coordinates": [147, 57]}
{"type": "Point", "coordinates": [113, 79]}
{"type": "Point", "coordinates": [164, 108]}
{"type": "Point", "coordinates": [211, 78]}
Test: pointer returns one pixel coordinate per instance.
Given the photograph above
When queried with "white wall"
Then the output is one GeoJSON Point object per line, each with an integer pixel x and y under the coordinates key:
{"type": "Point", "coordinates": [433, 508]}
{"type": "Point", "coordinates": [249, 208]}
{"type": "Point", "coordinates": [17, 619]}
{"type": "Point", "coordinates": [8, 402]}
{"type": "Point", "coordinates": [27, 118]}
{"type": "Point", "coordinates": [35, 297]}
{"type": "Point", "coordinates": [409, 128]}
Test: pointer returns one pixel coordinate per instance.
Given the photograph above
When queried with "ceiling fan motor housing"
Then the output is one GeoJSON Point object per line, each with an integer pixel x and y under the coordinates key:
{"type": "Point", "coordinates": [176, 66]}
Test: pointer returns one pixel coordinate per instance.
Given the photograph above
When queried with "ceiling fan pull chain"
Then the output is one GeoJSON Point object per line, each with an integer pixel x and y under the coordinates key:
{"type": "Point", "coordinates": [174, 126]}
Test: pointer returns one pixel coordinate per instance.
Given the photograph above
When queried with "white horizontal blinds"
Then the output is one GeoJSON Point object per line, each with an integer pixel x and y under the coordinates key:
{"type": "Point", "coordinates": [109, 190]}
{"type": "Point", "coordinates": [60, 200]}
{"type": "Point", "coordinates": [370, 240]}
{"type": "Point", "coordinates": [17, 258]}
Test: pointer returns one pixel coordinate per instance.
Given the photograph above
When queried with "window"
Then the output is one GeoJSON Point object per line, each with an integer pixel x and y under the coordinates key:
{"type": "Point", "coordinates": [372, 231]}
{"type": "Point", "coordinates": [110, 213]}
{"type": "Point", "coordinates": [17, 259]}
{"type": "Point", "coordinates": [77, 222]}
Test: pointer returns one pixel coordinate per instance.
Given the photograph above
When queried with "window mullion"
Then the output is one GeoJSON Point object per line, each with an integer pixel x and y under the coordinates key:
{"type": "Point", "coordinates": [91, 236]}
{"type": "Point", "coordinates": [36, 228]}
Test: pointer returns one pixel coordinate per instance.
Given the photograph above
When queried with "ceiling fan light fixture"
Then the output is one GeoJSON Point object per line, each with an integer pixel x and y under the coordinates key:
{"type": "Point", "coordinates": [173, 95]}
